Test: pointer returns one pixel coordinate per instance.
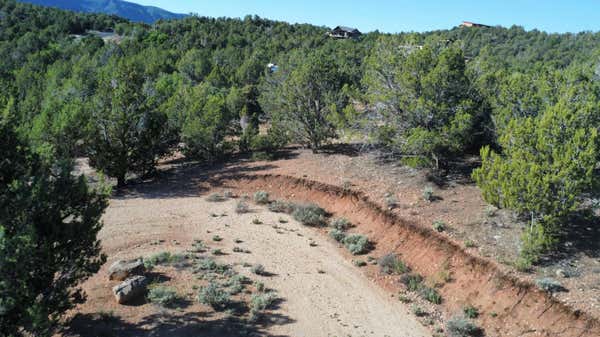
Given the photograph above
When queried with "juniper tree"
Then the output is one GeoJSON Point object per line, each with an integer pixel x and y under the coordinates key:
{"type": "Point", "coordinates": [303, 97]}
{"type": "Point", "coordinates": [546, 164]}
{"type": "Point", "coordinates": [128, 132]}
{"type": "Point", "coordinates": [422, 104]}
{"type": "Point", "coordinates": [49, 220]}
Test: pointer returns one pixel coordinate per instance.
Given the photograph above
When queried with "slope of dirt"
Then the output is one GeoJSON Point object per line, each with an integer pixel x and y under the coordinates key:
{"type": "Point", "coordinates": [496, 234]}
{"type": "Point", "coordinates": [508, 306]}
{"type": "Point", "coordinates": [322, 293]}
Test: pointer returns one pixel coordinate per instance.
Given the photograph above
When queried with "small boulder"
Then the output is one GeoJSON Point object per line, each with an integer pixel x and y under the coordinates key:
{"type": "Point", "coordinates": [130, 289]}
{"type": "Point", "coordinates": [122, 269]}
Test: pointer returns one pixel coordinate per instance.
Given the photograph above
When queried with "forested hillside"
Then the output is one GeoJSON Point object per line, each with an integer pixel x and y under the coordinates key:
{"type": "Point", "coordinates": [124, 9]}
{"type": "Point", "coordinates": [528, 100]}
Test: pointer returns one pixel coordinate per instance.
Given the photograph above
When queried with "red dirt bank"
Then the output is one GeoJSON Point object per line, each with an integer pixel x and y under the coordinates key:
{"type": "Point", "coordinates": [521, 309]}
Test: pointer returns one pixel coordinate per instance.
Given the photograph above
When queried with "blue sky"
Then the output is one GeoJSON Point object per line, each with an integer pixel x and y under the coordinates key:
{"type": "Point", "coordinates": [404, 15]}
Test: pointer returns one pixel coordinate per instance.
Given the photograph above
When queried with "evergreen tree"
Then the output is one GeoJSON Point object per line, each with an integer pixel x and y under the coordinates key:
{"type": "Point", "coordinates": [423, 102]}
{"type": "Point", "coordinates": [547, 163]}
{"type": "Point", "coordinates": [303, 98]}
{"type": "Point", "coordinates": [49, 220]}
{"type": "Point", "coordinates": [128, 131]}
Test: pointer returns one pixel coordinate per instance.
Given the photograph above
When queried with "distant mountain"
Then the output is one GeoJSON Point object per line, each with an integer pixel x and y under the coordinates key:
{"type": "Point", "coordinates": [125, 9]}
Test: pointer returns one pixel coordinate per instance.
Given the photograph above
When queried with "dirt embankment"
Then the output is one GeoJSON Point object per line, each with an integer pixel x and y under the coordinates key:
{"type": "Point", "coordinates": [508, 306]}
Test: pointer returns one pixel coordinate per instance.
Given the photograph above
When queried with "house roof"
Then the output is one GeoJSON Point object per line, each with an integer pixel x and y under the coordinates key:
{"type": "Point", "coordinates": [347, 29]}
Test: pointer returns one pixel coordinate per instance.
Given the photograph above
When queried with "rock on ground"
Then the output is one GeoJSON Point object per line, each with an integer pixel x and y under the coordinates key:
{"type": "Point", "coordinates": [122, 269]}
{"type": "Point", "coordinates": [130, 289]}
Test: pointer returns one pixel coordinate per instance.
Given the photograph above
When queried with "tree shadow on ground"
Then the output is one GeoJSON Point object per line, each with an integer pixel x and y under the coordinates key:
{"type": "Point", "coordinates": [350, 150]}
{"type": "Point", "coordinates": [451, 172]}
{"type": "Point", "coordinates": [457, 171]}
{"type": "Point", "coordinates": [171, 325]}
{"type": "Point", "coordinates": [580, 236]}
{"type": "Point", "coordinates": [184, 180]}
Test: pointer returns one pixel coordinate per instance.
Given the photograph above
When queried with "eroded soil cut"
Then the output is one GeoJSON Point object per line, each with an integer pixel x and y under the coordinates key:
{"type": "Point", "coordinates": [507, 306]}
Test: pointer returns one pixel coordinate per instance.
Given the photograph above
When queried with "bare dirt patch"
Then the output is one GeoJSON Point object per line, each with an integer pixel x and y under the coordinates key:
{"type": "Point", "coordinates": [321, 293]}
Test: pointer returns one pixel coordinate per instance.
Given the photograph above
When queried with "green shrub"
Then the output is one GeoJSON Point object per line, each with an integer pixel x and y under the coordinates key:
{"type": "Point", "coordinates": [217, 251]}
{"type": "Point", "coordinates": [157, 259]}
{"type": "Point", "coordinates": [337, 235]}
{"type": "Point", "coordinates": [261, 197]}
{"type": "Point", "coordinates": [242, 207]}
{"type": "Point", "coordinates": [260, 287]}
{"type": "Point", "coordinates": [523, 264]}
{"type": "Point", "coordinates": [391, 264]}
{"type": "Point", "coordinates": [413, 282]}
{"type": "Point", "coordinates": [430, 295]}
{"type": "Point", "coordinates": [163, 296]}
{"type": "Point", "coordinates": [535, 241]}
{"type": "Point", "coordinates": [214, 296]}
{"type": "Point", "coordinates": [256, 221]}
{"type": "Point", "coordinates": [280, 206]}
{"type": "Point", "coordinates": [164, 258]}
{"type": "Point", "coordinates": [490, 211]}
{"type": "Point", "coordinates": [439, 225]}
{"type": "Point", "coordinates": [261, 302]}
{"type": "Point", "coordinates": [428, 193]}
{"type": "Point", "coordinates": [217, 238]}
{"type": "Point", "coordinates": [470, 312]}
{"type": "Point", "coordinates": [208, 264]}
{"type": "Point", "coordinates": [357, 244]}
{"type": "Point", "coordinates": [310, 215]}
{"type": "Point", "coordinates": [461, 327]}
{"type": "Point", "coordinates": [237, 284]}
{"type": "Point", "coordinates": [341, 224]}
{"type": "Point", "coordinates": [238, 250]}
{"type": "Point", "coordinates": [198, 246]}
{"type": "Point", "coordinates": [549, 284]}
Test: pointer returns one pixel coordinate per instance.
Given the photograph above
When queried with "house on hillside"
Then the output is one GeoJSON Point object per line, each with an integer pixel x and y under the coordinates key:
{"type": "Point", "coordinates": [341, 32]}
{"type": "Point", "coordinates": [472, 24]}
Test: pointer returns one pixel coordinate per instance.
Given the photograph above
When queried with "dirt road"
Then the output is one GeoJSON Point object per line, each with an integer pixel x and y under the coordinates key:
{"type": "Point", "coordinates": [323, 293]}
